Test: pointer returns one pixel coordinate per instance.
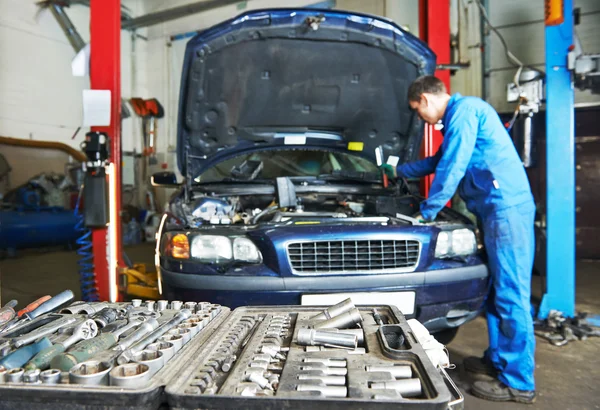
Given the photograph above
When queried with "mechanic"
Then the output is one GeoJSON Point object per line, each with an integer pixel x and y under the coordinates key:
{"type": "Point", "coordinates": [478, 157]}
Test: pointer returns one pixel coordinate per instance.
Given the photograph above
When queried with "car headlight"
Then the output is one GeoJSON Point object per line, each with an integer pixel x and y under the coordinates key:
{"type": "Point", "coordinates": [244, 250]}
{"type": "Point", "coordinates": [458, 242]}
{"type": "Point", "coordinates": [211, 248]}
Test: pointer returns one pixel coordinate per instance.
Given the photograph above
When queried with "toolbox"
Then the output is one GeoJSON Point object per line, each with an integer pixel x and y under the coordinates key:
{"type": "Point", "coordinates": [253, 358]}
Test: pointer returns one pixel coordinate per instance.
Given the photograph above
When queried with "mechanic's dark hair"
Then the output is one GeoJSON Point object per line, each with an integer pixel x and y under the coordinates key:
{"type": "Point", "coordinates": [426, 84]}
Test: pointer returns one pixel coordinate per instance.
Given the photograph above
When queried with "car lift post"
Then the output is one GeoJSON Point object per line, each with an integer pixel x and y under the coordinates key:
{"type": "Point", "coordinates": [560, 172]}
{"type": "Point", "coordinates": [434, 29]}
{"type": "Point", "coordinates": [105, 74]}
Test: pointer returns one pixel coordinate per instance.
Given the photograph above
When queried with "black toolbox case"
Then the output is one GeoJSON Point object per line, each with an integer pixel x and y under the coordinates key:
{"type": "Point", "coordinates": [173, 385]}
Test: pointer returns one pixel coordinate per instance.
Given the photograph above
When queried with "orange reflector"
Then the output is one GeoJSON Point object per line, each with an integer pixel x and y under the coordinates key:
{"type": "Point", "coordinates": [555, 12]}
{"type": "Point", "coordinates": [180, 246]}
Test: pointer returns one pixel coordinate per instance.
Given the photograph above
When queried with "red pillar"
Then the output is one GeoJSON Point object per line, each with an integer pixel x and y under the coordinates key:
{"type": "Point", "coordinates": [434, 29]}
{"type": "Point", "coordinates": [105, 74]}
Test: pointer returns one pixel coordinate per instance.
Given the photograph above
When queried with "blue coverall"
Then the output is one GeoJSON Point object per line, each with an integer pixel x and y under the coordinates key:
{"type": "Point", "coordinates": [478, 157]}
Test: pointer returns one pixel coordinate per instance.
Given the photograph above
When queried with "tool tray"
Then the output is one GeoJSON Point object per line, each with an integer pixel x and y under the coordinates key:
{"type": "Point", "coordinates": [231, 390]}
{"type": "Point", "coordinates": [66, 395]}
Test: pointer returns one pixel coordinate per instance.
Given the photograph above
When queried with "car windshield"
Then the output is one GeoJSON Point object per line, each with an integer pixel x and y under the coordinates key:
{"type": "Point", "coordinates": [264, 165]}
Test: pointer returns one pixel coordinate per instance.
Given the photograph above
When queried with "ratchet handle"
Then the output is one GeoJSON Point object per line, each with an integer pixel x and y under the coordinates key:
{"type": "Point", "coordinates": [51, 304]}
{"type": "Point", "coordinates": [83, 351]}
{"type": "Point", "coordinates": [43, 359]}
{"type": "Point", "coordinates": [33, 305]}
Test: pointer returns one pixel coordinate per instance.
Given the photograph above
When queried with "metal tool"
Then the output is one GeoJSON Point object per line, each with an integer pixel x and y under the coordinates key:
{"type": "Point", "coordinates": [83, 331]}
{"type": "Point", "coordinates": [84, 308]}
{"type": "Point", "coordinates": [260, 380]}
{"type": "Point", "coordinates": [22, 327]}
{"type": "Point", "coordinates": [194, 328]}
{"type": "Point", "coordinates": [43, 331]}
{"type": "Point", "coordinates": [327, 371]}
{"type": "Point", "coordinates": [176, 305]}
{"type": "Point", "coordinates": [150, 305]}
{"type": "Point", "coordinates": [128, 354]}
{"type": "Point", "coordinates": [31, 376]}
{"type": "Point", "coordinates": [342, 321]}
{"type": "Point", "coordinates": [377, 317]}
{"type": "Point", "coordinates": [190, 305]}
{"type": "Point", "coordinates": [327, 391]}
{"type": "Point", "coordinates": [3, 372]}
{"type": "Point", "coordinates": [91, 373]}
{"type": "Point", "coordinates": [327, 380]}
{"type": "Point", "coordinates": [88, 349]}
{"type": "Point", "coordinates": [132, 375]}
{"type": "Point", "coordinates": [52, 304]}
{"type": "Point", "coordinates": [176, 340]}
{"type": "Point", "coordinates": [29, 308]}
{"type": "Point", "coordinates": [397, 372]}
{"type": "Point", "coordinates": [326, 362]}
{"type": "Point", "coordinates": [154, 359]}
{"type": "Point", "coordinates": [358, 350]}
{"type": "Point", "coordinates": [15, 375]}
{"type": "Point", "coordinates": [332, 311]}
{"type": "Point", "coordinates": [359, 333]}
{"type": "Point", "coordinates": [7, 312]}
{"type": "Point", "coordinates": [166, 348]}
{"type": "Point", "coordinates": [312, 337]}
{"type": "Point", "coordinates": [162, 305]}
{"type": "Point", "coordinates": [272, 351]}
{"type": "Point", "coordinates": [186, 334]}
{"type": "Point", "coordinates": [406, 387]}
{"type": "Point", "coordinates": [136, 302]}
{"type": "Point", "coordinates": [50, 376]}
{"type": "Point", "coordinates": [228, 363]}
{"type": "Point", "coordinates": [105, 316]}
{"type": "Point", "coordinates": [19, 357]}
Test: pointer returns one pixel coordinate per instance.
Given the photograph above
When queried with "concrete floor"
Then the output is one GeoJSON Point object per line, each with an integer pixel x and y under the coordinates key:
{"type": "Point", "coordinates": [567, 377]}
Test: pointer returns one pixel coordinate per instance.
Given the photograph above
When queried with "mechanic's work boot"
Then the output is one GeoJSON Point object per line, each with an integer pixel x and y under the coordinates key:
{"type": "Point", "coordinates": [479, 365]}
{"type": "Point", "coordinates": [498, 391]}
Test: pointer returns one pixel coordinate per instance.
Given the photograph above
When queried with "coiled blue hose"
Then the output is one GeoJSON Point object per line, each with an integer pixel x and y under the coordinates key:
{"type": "Point", "coordinates": [87, 277]}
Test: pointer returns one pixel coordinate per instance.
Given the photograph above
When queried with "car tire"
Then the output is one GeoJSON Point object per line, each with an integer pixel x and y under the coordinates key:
{"type": "Point", "coordinates": [446, 336]}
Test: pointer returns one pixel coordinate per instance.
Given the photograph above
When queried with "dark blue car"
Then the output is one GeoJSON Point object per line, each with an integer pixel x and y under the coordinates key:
{"type": "Point", "coordinates": [284, 116]}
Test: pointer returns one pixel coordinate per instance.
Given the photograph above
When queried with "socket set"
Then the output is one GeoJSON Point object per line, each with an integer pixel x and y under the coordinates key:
{"type": "Point", "coordinates": [114, 355]}
{"type": "Point", "coordinates": [296, 356]}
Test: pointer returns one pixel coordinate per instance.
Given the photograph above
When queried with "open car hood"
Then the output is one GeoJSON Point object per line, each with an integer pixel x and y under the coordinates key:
{"type": "Point", "coordinates": [305, 77]}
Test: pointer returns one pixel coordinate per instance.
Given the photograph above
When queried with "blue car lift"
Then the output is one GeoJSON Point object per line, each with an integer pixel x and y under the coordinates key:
{"type": "Point", "coordinates": [560, 171]}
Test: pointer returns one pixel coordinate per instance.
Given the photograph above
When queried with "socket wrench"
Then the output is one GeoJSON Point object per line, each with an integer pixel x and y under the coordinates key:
{"type": "Point", "coordinates": [166, 348]}
{"type": "Point", "coordinates": [358, 350]}
{"type": "Point", "coordinates": [327, 391]}
{"type": "Point", "coordinates": [84, 308]}
{"type": "Point", "coordinates": [335, 310]}
{"type": "Point", "coordinates": [150, 305]}
{"type": "Point", "coordinates": [193, 328]}
{"type": "Point", "coordinates": [105, 316]}
{"type": "Point", "coordinates": [186, 334]}
{"type": "Point", "coordinates": [327, 371]}
{"type": "Point", "coordinates": [91, 373]}
{"type": "Point", "coordinates": [176, 305]}
{"type": "Point", "coordinates": [326, 362]}
{"type": "Point", "coordinates": [32, 376]}
{"type": "Point", "coordinates": [50, 376]}
{"type": "Point", "coordinates": [154, 359]}
{"type": "Point", "coordinates": [43, 331]}
{"type": "Point", "coordinates": [175, 340]}
{"type": "Point", "coordinates": [132, 375]}
{"type": "Point", "coordinates": [136, 302]}
{"type": "Point", "coordinates": [342, 321]}
{"type": "Point", "coordinates": [162, 305]}
{"type": "Point", "coordinates": [15, 375]}
{"type": "Point", "coordinates": [127, 355]}
{"type": "Point", "coordinates": [406, 387]}
{"type": "Point", "coordinates": [397, 372]}
{"type": "Point", "coordinates": [313, 337]}
{"type": "Point", "coordinates": [360, 334]}
{"type": "Point", "coordinates": [326, 380]}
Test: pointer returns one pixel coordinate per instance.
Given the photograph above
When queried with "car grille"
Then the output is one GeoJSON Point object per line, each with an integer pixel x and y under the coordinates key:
{"type": "Point", "coordinates": [353, 256]}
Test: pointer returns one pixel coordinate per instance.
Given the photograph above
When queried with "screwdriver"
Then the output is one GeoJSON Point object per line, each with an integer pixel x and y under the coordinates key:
{"type": "Point", "coordinates": [33, 305]}
{"type": "Point", "coordinates": [7, 313]}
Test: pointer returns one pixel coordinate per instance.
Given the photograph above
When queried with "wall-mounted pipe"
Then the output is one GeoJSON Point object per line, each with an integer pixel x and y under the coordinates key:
{"type": "Point", "coordinates": [67, 26]}
{"type": "Point", "coordinates": [17, 142]}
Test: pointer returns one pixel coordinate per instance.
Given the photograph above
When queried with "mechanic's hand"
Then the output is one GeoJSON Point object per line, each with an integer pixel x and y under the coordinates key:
{"type": "Point", "coordinates": [389, 170]}
{"type": "Point", "coordinates": [420, 218]}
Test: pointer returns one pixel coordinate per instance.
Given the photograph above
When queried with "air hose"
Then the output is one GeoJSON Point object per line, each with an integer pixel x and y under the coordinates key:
{"type": "Point", "coordinates": [87, 277]}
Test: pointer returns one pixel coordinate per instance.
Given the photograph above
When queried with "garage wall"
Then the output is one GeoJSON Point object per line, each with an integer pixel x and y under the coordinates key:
{"type": "Point", "coordinates": [522, 25]}
{"type": "Point", "coordinates": [39, 98]}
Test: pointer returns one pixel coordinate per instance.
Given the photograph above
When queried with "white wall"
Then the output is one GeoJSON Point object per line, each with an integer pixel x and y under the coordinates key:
{"type": "Point", "coordinates": [39, 98]}
{"type": "Point", "coordinates": [522, 25]}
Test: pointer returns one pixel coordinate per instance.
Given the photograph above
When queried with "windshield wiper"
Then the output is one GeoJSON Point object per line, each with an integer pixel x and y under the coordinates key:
{"type": "Point", "coordinates": [354, 176]}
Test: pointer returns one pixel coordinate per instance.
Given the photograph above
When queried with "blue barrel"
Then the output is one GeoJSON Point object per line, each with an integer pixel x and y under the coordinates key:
{"type": "Point", "coordinates": [37, 228]}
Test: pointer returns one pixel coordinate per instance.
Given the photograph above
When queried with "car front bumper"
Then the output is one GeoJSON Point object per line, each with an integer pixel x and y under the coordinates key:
{"type": "Point", "coordinates": [444, 298]}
